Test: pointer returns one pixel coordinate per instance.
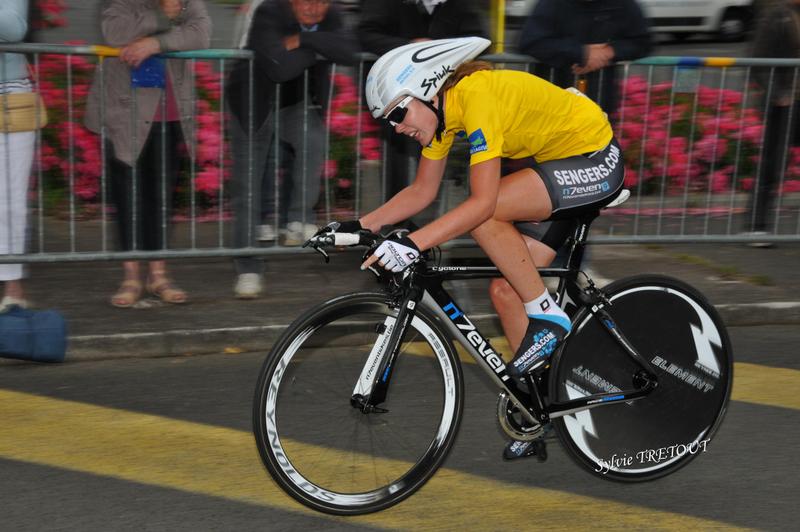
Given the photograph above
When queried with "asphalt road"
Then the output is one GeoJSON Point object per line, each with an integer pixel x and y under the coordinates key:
{"type": "Point", "coordinates": [165, 444]}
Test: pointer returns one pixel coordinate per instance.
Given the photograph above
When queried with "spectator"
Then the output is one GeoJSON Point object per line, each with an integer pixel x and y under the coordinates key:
{"type": "Point", "coordinates": [142, 156]}
{"type": "Point", "coordinates": [286, 37]}
{"type": "Point", "coordinates": [582, 39]}
{"type": "Point", "coordinates": [387, 24]}
{"type": "Point", "coordinates": [16, 153]}
{"type": "Point", "coordinates": [777, 35]}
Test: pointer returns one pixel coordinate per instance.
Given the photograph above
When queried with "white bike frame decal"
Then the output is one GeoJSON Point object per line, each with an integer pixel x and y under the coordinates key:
{"type": "Point", "coordinates": [367, 378]}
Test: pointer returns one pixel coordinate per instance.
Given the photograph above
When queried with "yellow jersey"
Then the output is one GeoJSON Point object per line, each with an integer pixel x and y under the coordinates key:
{"type": "Point", "coordinates": [506, 113]}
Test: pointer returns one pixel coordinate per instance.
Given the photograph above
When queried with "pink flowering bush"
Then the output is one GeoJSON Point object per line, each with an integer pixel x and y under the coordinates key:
{"type": "Point", "coordinates": [65, 134]}
{"type": "Point", "coordinates": [683, 146]}
{"type": "Point", "coordinates": [49, 14]}
{"type": "Point", "coordinates": [346, 117]}
{"type": "Point", "coordinates": [212, 156]}
{"type": "Point", "coordinates": [791, 182]}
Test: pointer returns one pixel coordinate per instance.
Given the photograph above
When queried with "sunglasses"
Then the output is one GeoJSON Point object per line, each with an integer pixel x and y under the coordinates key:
{"type": "Point", "coordinates": [398, 113]}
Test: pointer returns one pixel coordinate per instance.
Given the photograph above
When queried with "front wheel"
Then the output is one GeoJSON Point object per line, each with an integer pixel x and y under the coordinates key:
{"type": "Point", "coordinates": [680, 333]}
{"type": "Point", "coordinates": [316, 442]}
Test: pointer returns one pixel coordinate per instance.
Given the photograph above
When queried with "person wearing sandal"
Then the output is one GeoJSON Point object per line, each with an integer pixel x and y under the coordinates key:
{"type": "Point", "coordinates": [158, 285]}
{"type": "Point", "coordinates": [143, 155]}
{"type": "Point", "coordinates": [16, 154]}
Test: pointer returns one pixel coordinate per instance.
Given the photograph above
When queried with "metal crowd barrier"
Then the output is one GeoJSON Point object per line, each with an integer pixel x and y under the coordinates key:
{"type": "Point", "coordinates": [692, 131]}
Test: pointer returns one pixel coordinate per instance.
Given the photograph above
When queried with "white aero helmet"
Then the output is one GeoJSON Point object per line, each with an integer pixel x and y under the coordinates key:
{"type": "Point", "coordinates": [418, 70]}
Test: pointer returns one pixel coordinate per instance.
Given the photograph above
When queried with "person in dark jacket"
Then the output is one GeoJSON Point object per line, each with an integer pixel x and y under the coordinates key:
{"type": "Point", "coordinates": [583, 39]}
{"type": "Point", "coordinates": [387, 24]}
{"type": "Point", "coordinates": [777, 35]}
{"type": "Point", "coordinates": [286, 37]}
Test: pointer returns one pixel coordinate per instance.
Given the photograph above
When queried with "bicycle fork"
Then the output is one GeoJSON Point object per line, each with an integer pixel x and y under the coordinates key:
{"type": "Point", "coordinates": [373, 383]}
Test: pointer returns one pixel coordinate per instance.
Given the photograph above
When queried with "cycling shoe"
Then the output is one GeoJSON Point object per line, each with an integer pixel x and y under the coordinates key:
{"type": "Point", "coordinates": [516, 449]}
{"type": "Point", "coordinates": [540, 341]}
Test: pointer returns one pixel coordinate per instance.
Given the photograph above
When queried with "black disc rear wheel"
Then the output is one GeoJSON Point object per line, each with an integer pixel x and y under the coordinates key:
{"type": "Point", "coordinates": [675, 328]}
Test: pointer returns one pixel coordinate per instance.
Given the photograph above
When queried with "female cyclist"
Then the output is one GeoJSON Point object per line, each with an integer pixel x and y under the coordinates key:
{"type": "Point", "coordinates": [434, 92]}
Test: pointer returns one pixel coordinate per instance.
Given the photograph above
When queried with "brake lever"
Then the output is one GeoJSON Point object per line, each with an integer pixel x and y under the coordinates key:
{"type": "Point", "coordinates": [322, 252]}
{"type": "Point", "coordinates": [315, 245]}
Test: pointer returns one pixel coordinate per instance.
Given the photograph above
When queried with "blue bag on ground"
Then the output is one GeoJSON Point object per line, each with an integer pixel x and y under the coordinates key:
{"type": "Point", "coordinates": [37, 335]}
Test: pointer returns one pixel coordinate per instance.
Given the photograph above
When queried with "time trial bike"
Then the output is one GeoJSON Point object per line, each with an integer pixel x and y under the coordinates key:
{"type": "Point", "coordinates": [360, 399]}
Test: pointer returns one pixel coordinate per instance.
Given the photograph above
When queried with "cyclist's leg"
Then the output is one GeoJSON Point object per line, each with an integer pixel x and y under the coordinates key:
{"type": "Point", "coordinates": [507, 302]}
{"type": "Point", "coordinates": [558, 189]}
{"type": "Point", "coordinates": [524, 196]}
{"type": "Point", "coordinates": [543, 240]}
{"type": "Point", "coordinates": [563, 203]}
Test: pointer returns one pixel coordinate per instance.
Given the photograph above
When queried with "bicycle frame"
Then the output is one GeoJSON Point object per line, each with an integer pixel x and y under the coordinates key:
{"type": "Point", "coordinates": [423, 286]}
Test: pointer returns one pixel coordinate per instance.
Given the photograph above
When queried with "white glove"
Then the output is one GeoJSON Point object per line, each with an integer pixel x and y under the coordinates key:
{"type": "Point", "coordinates": [397, 254]}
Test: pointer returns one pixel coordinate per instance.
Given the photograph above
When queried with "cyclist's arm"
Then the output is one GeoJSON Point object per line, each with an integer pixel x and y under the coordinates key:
{"type": "Point", "coordinates": [412, 199]}
{"type": "Point", "coordinates": [484, 180]}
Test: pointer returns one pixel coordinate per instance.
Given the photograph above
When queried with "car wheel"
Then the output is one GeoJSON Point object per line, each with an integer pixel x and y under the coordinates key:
{"type": "Point", "coordinates": [733, 26]}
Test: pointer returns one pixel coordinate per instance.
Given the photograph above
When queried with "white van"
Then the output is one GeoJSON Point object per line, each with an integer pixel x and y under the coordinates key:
{"type": "Point", "coordinates": [730, 19]}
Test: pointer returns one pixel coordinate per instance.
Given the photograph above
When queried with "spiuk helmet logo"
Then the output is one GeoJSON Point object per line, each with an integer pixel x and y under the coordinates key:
{"type": "Point", "coordinates": [433, 81]}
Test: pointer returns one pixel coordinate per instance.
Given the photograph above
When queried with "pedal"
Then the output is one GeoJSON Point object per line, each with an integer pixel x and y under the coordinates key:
{"type": "Point", "coordinates": [516, 449]}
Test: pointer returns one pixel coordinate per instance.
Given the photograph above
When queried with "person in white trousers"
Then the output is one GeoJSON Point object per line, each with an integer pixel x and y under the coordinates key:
{"type": "Point", "coordinates": [16, 155]}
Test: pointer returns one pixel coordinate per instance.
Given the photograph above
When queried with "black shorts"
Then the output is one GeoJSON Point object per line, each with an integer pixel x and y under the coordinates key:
{"type": "Point", "coordinates": [583, 183]}
{"type": "Point", "coordinates": [553, 233]}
